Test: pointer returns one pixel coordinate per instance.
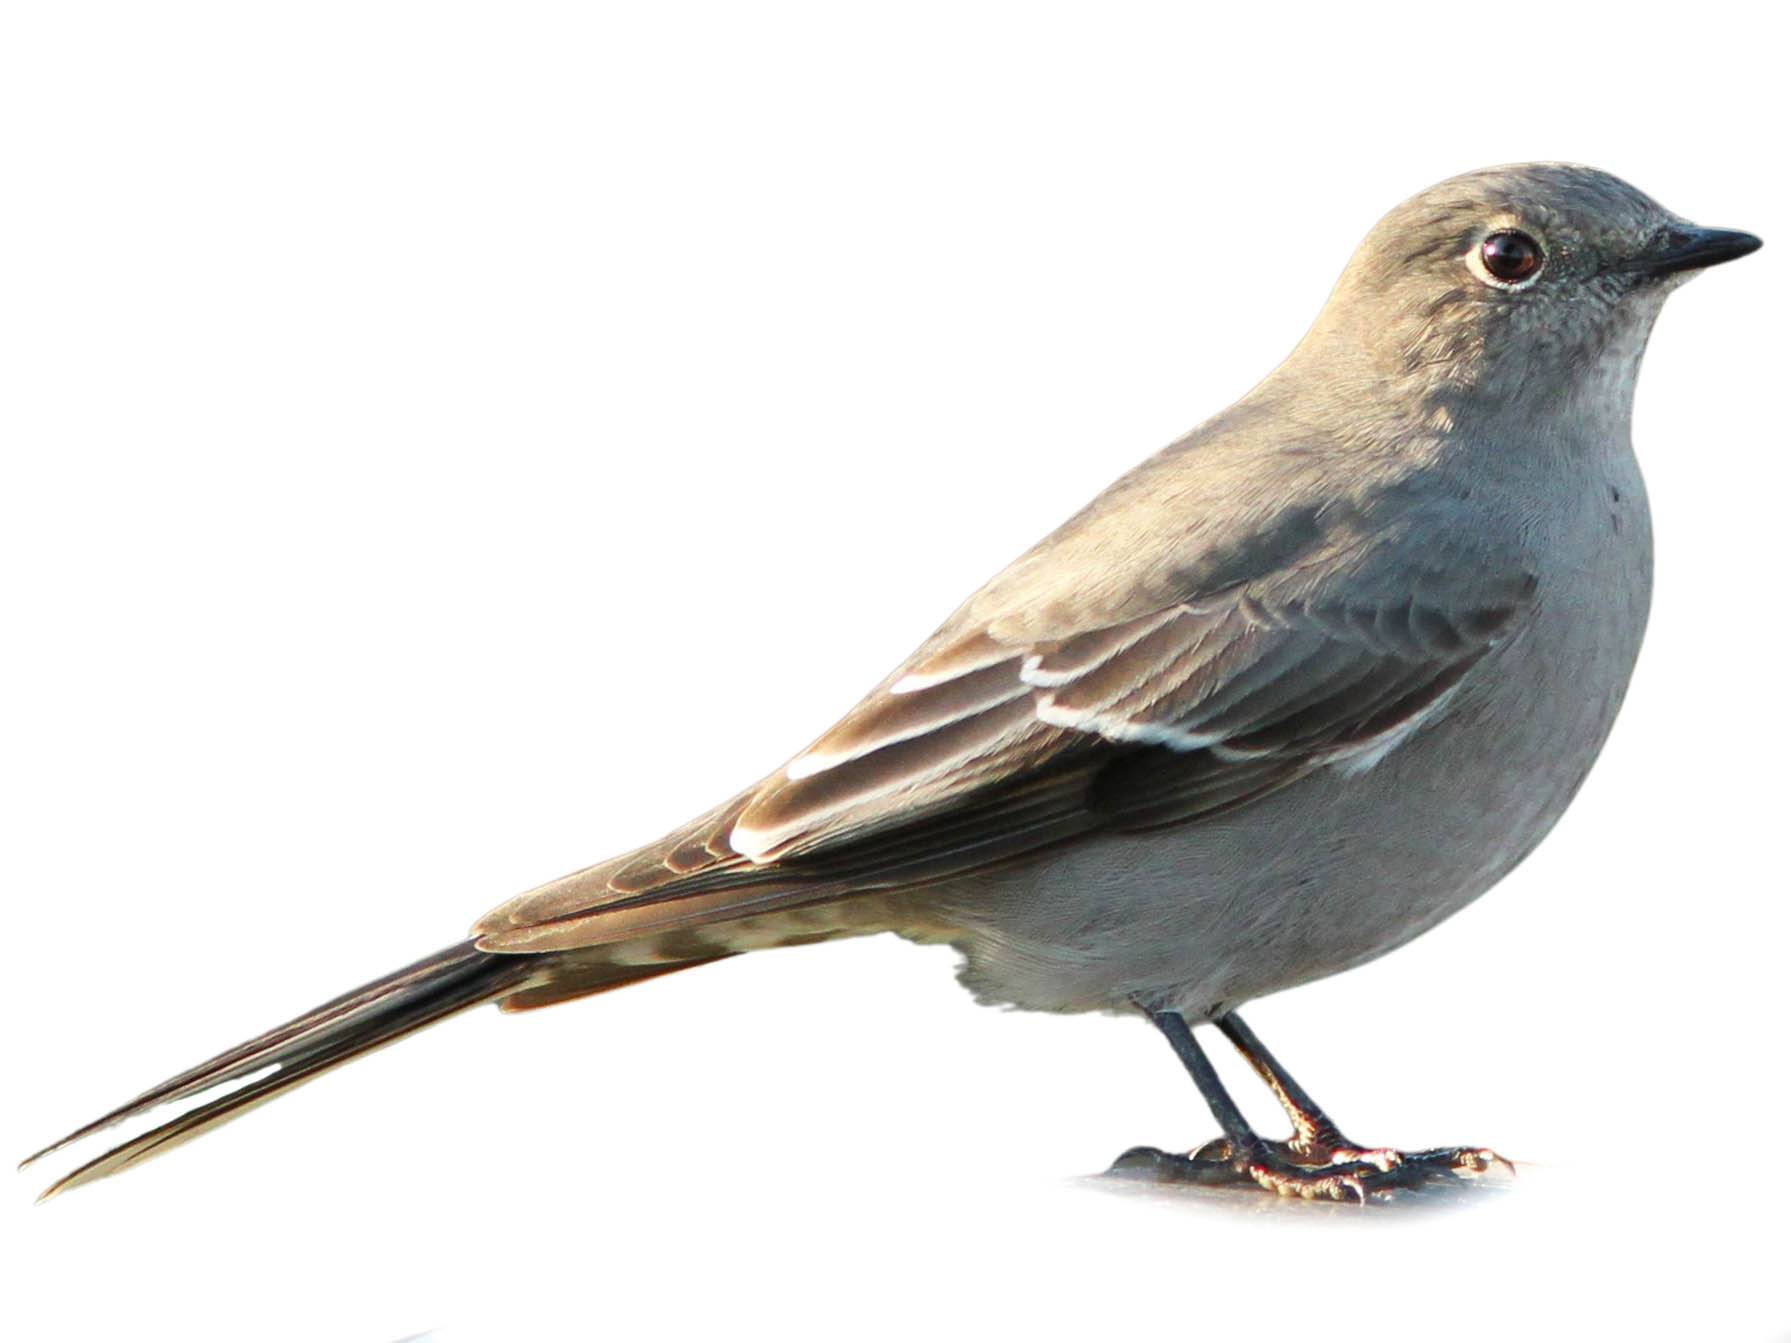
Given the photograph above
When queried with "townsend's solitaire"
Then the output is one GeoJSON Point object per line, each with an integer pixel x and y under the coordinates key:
{"type": "Point", "coordinates": [1291, 692]}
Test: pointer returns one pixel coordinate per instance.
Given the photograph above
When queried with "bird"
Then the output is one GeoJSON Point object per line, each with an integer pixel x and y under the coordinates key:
{"type": "Point", "coordinates": [1286, 695]}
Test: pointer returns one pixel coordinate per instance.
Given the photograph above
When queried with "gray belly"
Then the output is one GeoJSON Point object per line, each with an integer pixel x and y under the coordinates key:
{"type": "Point", "coordinates": [1334, 870]}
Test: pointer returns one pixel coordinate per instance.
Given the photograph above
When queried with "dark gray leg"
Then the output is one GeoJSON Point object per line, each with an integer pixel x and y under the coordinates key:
{"type": "Point", "coordinates": [1203, 1167]}
{"type": "Point", "coordinates": [1317, 1140]}
{"type": "Point", "coordinates": [1317, 1162]}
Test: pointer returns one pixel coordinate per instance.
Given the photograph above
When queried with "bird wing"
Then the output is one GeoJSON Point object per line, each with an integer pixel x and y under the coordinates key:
{"type": "Point", "coordinates": [987, 745]}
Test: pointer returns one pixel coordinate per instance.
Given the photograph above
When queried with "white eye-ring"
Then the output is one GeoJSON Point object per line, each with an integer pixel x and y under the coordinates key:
{"type": "Point", "coordinates": [1507, 259]}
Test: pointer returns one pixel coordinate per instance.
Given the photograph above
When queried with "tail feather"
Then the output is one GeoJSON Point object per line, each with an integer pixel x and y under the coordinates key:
{"type": "Point", "coordinates": [344, 1028]}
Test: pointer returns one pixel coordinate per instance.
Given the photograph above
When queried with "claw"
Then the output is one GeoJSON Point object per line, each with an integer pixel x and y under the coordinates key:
{"type": "Point", "coordinates": [1219, 1149]}
{"type": "Point", "coordinates": [1317, 1161]}
{"type": "Point", "coordinates": [1473, 1162]}
{"type": "Point", "coordinates": [1174, 1166]}
{"type": "Point", "coordinates": [1340, 1183]}
{"type": "Point", "coordinates": [1353, 1174]}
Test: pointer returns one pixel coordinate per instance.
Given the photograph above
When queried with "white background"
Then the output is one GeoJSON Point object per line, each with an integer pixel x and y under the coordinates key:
{"type": "Point", "coordinates": [447, 444]}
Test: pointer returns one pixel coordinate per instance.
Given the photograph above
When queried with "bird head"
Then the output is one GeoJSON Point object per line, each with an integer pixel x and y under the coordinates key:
{"type": "Point", "coordinates": [1525, 285]}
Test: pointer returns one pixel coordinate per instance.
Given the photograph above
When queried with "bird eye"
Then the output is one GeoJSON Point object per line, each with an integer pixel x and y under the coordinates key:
{"type": "Point", "coordinates": [1511, 257]}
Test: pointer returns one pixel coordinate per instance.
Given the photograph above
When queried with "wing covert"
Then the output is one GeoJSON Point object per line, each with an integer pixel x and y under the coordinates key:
{"type": "Point", "coordinates": [981, 748]}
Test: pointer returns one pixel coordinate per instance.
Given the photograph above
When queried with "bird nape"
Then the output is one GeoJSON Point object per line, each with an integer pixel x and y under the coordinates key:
{"type": "Point", "coordinates": [1286, 695]}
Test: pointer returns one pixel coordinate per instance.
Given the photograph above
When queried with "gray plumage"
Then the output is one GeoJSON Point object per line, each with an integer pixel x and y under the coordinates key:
{"type": "Point", "coordinates": [1288, 694]}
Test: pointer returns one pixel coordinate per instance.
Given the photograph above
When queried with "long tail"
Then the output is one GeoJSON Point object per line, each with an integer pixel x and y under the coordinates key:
{"type": "Point", "coordinates": [344, 1028]}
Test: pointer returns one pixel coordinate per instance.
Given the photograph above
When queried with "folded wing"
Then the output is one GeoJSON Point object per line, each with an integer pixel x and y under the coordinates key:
{"type": "Point", "coordinates": [981, 749]}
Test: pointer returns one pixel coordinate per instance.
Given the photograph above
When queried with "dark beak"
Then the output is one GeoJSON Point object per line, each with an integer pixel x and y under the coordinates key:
{"type": "Point", "coordinates": [1691, 248]}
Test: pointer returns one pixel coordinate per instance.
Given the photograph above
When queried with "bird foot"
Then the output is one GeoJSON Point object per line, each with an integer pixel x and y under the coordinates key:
{"type": "Point", "coordinates": [1331, 1170]}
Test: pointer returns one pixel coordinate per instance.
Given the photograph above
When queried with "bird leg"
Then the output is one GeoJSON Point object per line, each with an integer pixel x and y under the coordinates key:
{"type": "Point", "coordinates": [1316, 1141]}
{"type": "Point", "coordinates": [1316, 1162]}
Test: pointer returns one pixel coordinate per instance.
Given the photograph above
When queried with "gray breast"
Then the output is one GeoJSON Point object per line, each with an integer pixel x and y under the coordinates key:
{"type": "Point", "coordinates": [1338, 868]}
